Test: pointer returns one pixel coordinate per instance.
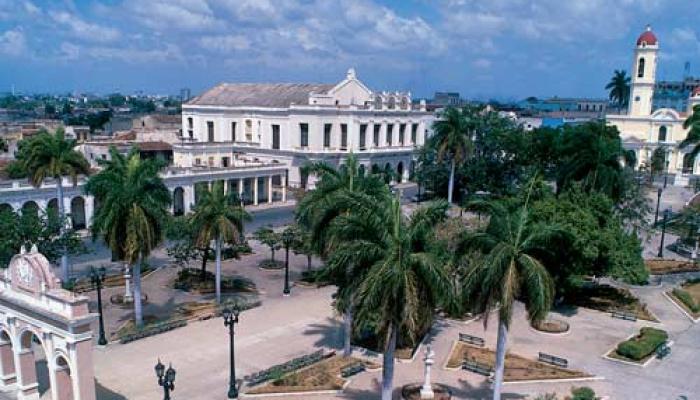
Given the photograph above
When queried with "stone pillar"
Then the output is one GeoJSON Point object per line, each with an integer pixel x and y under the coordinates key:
{"type": "Point", "coordinates": [8, 375]}
{"type": "Point", "coordinates": [269, 189]}
{"type": "Point", "coordinates": [284, 188]}
{"type": "Point", "coordinates": [61, 387]}
{"type": "Point", "coordinates": [89, 210]}
{"type": "Point", "coordinates": [255, 191]}
{"type": "Point", "coordinates": [83, 380]}
{"type": "Point", "coordinates": [188, 197]}
{"type": "Point", "coordinates": [240, 189]}
{"type": "Point", "coordinates": [27, 386]}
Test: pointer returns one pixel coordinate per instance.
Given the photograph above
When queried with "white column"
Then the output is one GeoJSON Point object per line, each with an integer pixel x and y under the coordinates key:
{"type": "Point", "coordinates": [8, 373]}
{"type": "Point", "coordinates": [240, 189]}
{"type": "Point", "coordinates": [255, 191]}
{"type": "Point", "coordinates": [188, 197]}
{"type": "Point", "coordinates": [269, 189]}
{"type": "Point", "coordinates": [89, 210]}
{"type": "Point", "coordinates": [284, 188]}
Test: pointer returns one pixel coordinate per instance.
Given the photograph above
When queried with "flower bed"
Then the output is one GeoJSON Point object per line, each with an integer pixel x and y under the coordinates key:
{"type": "Point", "coordinates": [688, 297]}
{"type": "Point", "coordinates": [319, 374]}
{"type": "Point", "coordinates": [641, 347]}
{"type": "Point", "coordinates": [83, 285]}
{"type": "Point", "coordinates": [269, 264]}
{"type": "Point", "coordinates": [662, 267]}
{"type": "Point", "coordinates": [190, 280]}
{"type": "Point", "coordinates": [517, 368]}
{"type": "Point", "coordinates": [129, 332]}
{"type": "Point", "coordinates": [412, 392]}
{"type": "Point", "coordinates": [607, 298]}
{"type": "Point", "coordinates": [551, 326]}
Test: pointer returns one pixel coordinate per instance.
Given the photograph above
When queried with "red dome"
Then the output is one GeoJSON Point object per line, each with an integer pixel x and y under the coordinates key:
{"type": "Point", "coordinates": [647, 37]}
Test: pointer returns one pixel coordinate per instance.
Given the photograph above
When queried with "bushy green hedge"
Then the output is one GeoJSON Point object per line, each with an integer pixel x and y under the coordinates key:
{"type": "Point", "coordinates": [687, 299]}
{"type": "Point", "coordinates": [150, 330]}
{"type": "Point", "coordinates": [639, 347]}
{"type": "Point", "coordinates": [582, 393]}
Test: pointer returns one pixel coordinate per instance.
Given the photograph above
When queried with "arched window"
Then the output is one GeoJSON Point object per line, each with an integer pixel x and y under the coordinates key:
{"type": "Point", "coordinates": [662, 133]}
{"type": "Point", "coordinates": [640, 68]}
{"type": "Point", "coordinates": [378, 102]}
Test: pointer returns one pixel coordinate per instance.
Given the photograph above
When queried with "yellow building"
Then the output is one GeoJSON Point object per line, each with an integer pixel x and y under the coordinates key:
{"type": "Point", "coordinates": [644, 129]}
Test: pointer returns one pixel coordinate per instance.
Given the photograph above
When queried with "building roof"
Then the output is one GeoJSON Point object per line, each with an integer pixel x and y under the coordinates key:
{"type": "Point", "coordinates": [647, 37]}
{"type": "Point", "coordinates": [280, 95]}
{"type": "Point", "coordinates": [153, 146]}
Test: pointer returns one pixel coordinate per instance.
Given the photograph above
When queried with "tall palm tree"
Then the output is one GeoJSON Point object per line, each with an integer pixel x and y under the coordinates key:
{"type": "Point", "coordinates": [219, 217]}
{"type": "Point", "coordinates": [317, 210]}
{"type": "Point", "coordinates": [509, 271]}
{"type": "Point", "coordinates": [134, 206]}
{"type": "Point", "coordinates": [53, 156]}
{"type": "Point", "coordinates": [403, 281]}
{"type": "Point", "coordinates": [692, 123]}
{"type": "Point", "coordinates": [619, 88]}
{"type": "Point", "coordinates": [453, 139]}
{"type": "Point", "coordinates": [593, 154]}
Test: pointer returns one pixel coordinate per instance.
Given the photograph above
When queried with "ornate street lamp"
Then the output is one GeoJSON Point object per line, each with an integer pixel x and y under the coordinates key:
{"type": "Point", "coordinates": [97, 276]}
{"type": "Point", "coordinates": [287, 240]}
{"type": "Point", "coordinates": [658, 201]}
{"type": "Point", "coordinates": [667, 214]}
{"type": "Point", "coordinates": [166, 379]}
{"type": "Point", "coordinates": [230, 319]}
{"type": "Point", "coordinates": [666, 175]}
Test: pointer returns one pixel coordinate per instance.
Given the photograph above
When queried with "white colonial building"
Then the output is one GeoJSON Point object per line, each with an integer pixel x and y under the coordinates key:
{"type": "Point", "coordinates": [644, 129]}
{"type": "Point", "coordinates": [292, 124]}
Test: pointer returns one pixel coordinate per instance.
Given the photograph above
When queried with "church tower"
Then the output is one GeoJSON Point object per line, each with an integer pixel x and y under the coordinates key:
{"type": "Point", "coordinates": [643, 74]}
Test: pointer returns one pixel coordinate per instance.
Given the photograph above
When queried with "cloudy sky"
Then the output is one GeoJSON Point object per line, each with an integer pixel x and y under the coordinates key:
{"type": "Point", "coordinates": [502, 49]}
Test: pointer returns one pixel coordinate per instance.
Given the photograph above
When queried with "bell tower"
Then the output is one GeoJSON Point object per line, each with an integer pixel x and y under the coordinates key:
{"type": "Point", "coordinates": [643, 74]}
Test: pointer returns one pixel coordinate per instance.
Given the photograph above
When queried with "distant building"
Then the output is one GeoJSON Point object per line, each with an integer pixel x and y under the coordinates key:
{"type": "Point", "coordinates": [645, 128]}
{"type": "Point", "coordinates": [674, 94]}
{"type": "Point", "coordinates": [566, 107]}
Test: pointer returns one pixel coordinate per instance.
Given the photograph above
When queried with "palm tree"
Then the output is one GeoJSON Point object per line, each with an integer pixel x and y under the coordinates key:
{"type": "Point", "coordinates": [402, 281]}
{"type": "Point", "coordinates": [692, 123]}
{"type": "Point", "coordinates": [218, 217]}
{"type": "Point", "coordinates": [593, 154]}
{"type": "Point", "coordinates": [317, 210]}
{"type": "Point", "coordinates": [453, 139]}
{"type": "Point", "coordinates": [134, 204]}
{"type": "Point", "coordinates": [508, 271]}
{"type": "Point", "coordinates": [53, 156]}
{"type": "Point", "coordinates": [619, 87]}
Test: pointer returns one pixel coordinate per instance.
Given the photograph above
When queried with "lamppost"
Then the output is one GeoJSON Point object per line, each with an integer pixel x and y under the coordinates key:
{"type": "Point", "coordinates": [166, 379]}
{"type": "Point", "coordinates": [287, 240]}
{"type": "Point", "coordinates": [97, 276]}
{"type": "Point", "coordinates": [667, 213]}
{"type": "Point", "coordinates": [230, 319]}
{"type": "Point", "coordinates": [658, 201]}
{"type": "Point", "coordinates": [666, 174]}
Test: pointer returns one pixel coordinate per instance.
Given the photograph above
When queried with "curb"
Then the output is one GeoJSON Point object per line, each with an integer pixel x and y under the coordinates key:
{"type": "Point", "coordinates": [678, 306]}
{"type": "Point", "coordinates": [582, 379]}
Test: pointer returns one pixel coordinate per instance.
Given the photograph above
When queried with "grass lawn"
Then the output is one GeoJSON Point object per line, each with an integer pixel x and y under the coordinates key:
{"type": "Point", "coordinates": [517, 368]}
{"type": "Point", "coordinates": [324, 375]}
{"type": "Point", "coordinates": [661, 267]}
{"type": "Point", "coordinates": [692, 288]}
{"type": "Point", "coordinates": [607, 299]}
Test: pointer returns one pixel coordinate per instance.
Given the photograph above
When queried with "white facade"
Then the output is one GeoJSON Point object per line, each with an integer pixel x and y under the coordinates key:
{"type": "Point", "coordinates": [643, 129]}
{"type": "Point", "coordinates": [305, 123]}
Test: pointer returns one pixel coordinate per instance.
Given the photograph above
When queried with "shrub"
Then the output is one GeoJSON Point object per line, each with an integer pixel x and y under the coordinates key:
{"type": "Point", "coordinates": [639, 347]}
{"type": "Point", "coordinates": [687, 299]}
{"type": "Point", "coordinates": [582, 393]}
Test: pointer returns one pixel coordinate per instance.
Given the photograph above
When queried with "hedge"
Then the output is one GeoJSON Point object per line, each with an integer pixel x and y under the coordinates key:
{"type": "Point", "coordinates": [150, 330]}
{"type": "Point", "coordinates": [644, 344]}
{"type": "Point", "coordinates": [687, 299]}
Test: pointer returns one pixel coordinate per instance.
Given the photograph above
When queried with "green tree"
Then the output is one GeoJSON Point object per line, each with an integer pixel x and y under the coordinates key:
{"type": "Point", "coordinates": [657, 163]}
{"type": "Point", "coordinates": [692, 123]}
{"type": "Point", "coordinates": [134, 206]}
{"type": "Point", "coordinates": [302, 243]}
{"type": "Point", "coordinates": [508, 271]}
{"type": "Point", "coordinates": [220, 218]}
{"type": "Point", "coordinates": [51, 155]}
{"type": "Point", "coordinates": [320, 207]}
{"type": "Point", "coordinates": [403, 281]}
{"type": "Point", "coordinates": [453, 139]}
{"type": "Point", "coordinates": [269, 238]}
{"type": "Point", "coordinates": [4, 147]}
{"type": "Point", "coordinates": [619, 89]}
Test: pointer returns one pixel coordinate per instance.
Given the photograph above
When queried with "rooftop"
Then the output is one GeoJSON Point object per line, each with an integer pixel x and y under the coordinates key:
{"type": "Point", "coordinates": [279, 95]}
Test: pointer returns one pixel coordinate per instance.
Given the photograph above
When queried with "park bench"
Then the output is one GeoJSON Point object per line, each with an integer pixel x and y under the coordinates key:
{"type": "Point", "coordinates": [627, 316]}
{"type": "Point", "coordinates": [663, 351]}
{"type": "Point", "coordinates": [479, 368]}
{"type": "Point", "coordinates": [475, 340]}
{"type": "Point", "coordinates": [351, 370]}
{"type": "Point", "coordinates": [553, 360]}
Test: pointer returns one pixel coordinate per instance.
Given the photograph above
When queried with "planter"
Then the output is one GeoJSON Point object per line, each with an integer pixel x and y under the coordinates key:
{"type": "Point", "coordinates": [412, 392]}
{"type": "Point", "coordinates": [118, 299]}
{"type": "Point", "coordinates": [551, 326]}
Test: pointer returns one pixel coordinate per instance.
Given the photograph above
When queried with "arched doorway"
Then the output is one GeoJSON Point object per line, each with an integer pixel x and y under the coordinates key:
{"type": "Point", "coordinates": [388, 173]}
{"type": "Point", "coordinates": [33, 363]}
{"type": "Point", "coordinates": [178, 201]}
{"type": "Point", "coordinates": [361, 170]}
{"type": "Point", "coordinates": [5, 207]}
{"type": "Point", "coordinates": [399, 172]}
{"type": "Point", "coordinates": [52, 206]}
{"type": "Point", "coordinates": [8, 372]}
{"type": "Point", "coordinates": [688, 163]}
{"type": "Point", "coordinates": [77, 212]}
{"type": "Point", "coordinates": [376, 170]}
{"type": "Point", "coordinates": [30, 208]}
{"type": "Point", "coordinates": [199, 189]}
{"type": "Point", "coordinates": [64, 384]}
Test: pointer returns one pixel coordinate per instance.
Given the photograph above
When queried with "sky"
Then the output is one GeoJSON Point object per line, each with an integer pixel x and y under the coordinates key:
{"type": "Point", "coordinates": [500, 49]}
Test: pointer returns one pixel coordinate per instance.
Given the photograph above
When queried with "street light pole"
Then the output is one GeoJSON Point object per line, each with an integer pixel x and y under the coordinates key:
{"type": "Point", "coordinates": [667, 212]}
{"type": "Point", "coordinates": [287, 239]}
{"type": "Point", "coordinates": [230, 319]}
{"type": "Point", "coordinates": [666, 175]}
{"type": "Point", "coordinates": [166, 379]}
{"type": "Point", "coordinates": [658, 201]}
{"type": "Point", "coordinates": [97, 277]}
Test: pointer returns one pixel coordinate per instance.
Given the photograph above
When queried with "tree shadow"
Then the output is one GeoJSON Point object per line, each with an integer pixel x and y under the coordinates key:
{"type": "Point", "coordinates": [104, 393]}
{"type": "Point", "coordinates": [330, 334]}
